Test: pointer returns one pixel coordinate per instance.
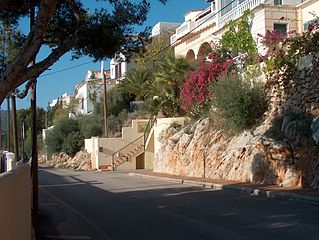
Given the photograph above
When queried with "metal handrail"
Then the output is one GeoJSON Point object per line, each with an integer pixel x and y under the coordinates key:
{"type": "Point", "coordinates": [149, 127]}
{"type": "Point", "coordinates": [127, 148]}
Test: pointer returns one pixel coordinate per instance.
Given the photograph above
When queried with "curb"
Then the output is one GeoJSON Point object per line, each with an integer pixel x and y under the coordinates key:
{"type": "Point", "coordinates": [175, 180]}
{"type": "Point", "coordinates": [245, 190]}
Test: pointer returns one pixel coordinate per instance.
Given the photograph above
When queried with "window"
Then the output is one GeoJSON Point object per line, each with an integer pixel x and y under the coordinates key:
{"type": "Point", "coordinates": [120, 69]}
{"type": "Point", "coordinates": [116, 72]}
{"type": "Point", "coordinates": [226, 6]}
{"type": "Point", "coordinates": [278, 2]}
{"type": "Point", "coordinates": [82, 103]}
{"type": "Point", "coordinates": [281, 27]}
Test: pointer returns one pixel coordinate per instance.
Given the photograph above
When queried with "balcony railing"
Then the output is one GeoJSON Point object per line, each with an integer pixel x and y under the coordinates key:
{"type": "Point", "coordinates": [212, 17]}
{"type": "Point", "coordinates": [208, 19]}
{"type": "Point", "coordinates": [173, 38]}
{"type": "Point", "coordinates": [184, 29]}
{"type": "Point", "coordinates": [237, 12]}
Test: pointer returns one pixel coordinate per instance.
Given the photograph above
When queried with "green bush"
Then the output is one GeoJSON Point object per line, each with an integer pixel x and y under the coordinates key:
{"type": "Point", "coordinates": [53, 142]}
{"type": "Point", "coordinates": [238, 102]}
{"type": "Point", "coordinates": [91, 126]}
{"type": "Point", "coordinates": [73, 143]}
{"type": "Point", "coordinates": [56, 136]}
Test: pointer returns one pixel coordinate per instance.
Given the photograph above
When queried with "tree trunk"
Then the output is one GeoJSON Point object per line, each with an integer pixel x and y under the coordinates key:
{"type": "Point", "coordinates": [34, 163]}
{"type": "Point", "coordinates": [0, 128]}
{"type": "Point", "coordinates": [8, 125]}
{"type": "Point", "coordinates": [15, 128]}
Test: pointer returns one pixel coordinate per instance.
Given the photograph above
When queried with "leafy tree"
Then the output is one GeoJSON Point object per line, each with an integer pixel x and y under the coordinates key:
{"type": "Point", "coordinates": [25, 115]}
{"type": "Point", "coordinates": [155, 51]}
{"type": "Point", "coordinates": [73, 143]}
{"type": "Point", "coordinates": [56, 136]}
{"type": "Point", "coordinates": [69, 25]}
{"type": "Point", "coordinates": [238, 39]}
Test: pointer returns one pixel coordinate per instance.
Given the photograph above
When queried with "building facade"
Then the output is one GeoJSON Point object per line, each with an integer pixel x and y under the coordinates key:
{"type": "Point", "coordinates": [161, 27]}
{"type": "Point", "coordinates": [89, 90]}
{"type": "Point", "coordinates": [63, 101]}
{"type": "Point", "coordinates": [120, 66]}
{"type": "Point", "coordinates": [203, 28]}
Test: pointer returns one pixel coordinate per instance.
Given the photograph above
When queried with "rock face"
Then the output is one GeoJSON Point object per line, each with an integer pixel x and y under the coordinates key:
{"type": "Point", "coordinates": [81, 161]}
{"type": "Point", "coordinates": [251, 156]}
{"type": "Point", "coordinates": [288, 157]}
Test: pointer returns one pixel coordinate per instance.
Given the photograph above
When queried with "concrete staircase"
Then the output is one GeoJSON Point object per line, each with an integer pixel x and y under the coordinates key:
{"type": "Point", "coordinates": [128, 152]}
{"type": "Point", "coordinates": [131, 150]}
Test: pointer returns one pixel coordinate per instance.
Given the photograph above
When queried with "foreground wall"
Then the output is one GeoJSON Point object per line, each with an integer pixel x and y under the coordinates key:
{"type": "Point", "coordinates": [15, 204]}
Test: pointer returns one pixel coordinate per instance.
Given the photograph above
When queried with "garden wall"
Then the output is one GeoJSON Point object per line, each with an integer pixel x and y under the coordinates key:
{"type": "Point", "coordinates": [301, 94]}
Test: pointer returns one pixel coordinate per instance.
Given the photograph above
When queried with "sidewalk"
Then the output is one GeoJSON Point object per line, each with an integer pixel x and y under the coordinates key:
{"type": "Point", "coordinates": [270, 191]}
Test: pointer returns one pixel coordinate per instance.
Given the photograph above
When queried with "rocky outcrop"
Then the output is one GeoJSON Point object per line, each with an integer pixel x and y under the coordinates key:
{"type": "Point", "coordinates": [251, 156]}
{"type": "Point", "coordinates": [81, 161]}
{"type": "Point", "coordinates": [283, 150]}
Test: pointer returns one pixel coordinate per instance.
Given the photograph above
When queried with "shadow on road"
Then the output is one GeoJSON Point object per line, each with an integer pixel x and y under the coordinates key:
{"type": "Point", "coordinates": [122, 207]}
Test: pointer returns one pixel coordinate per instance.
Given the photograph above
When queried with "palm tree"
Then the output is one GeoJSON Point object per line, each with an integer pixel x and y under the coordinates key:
{"type": "Point", "coordinates": [135, 83]}
{"type": "Point", "coordinates": [169, 77]}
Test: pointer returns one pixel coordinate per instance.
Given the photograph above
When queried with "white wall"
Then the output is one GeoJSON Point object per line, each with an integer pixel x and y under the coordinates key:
{"type": "Point", "coordinates": [15, 204]}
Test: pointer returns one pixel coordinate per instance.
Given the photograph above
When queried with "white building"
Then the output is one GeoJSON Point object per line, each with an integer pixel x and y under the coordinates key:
{"type": "Point", "coordinates": [120, 66]}
{"type": "Point", "coordinates": [64, 101]}
{"type": "Point", "coordinates": [164, 27]}
{"type": "Point", "coordinates": [53, 102]}
{"type": "Point", "coordinates": [89, 90]}
{"type": "Point", "coordinates": [202, 28]}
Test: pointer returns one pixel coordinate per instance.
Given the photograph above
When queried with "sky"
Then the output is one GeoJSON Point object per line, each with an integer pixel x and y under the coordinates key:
{"type": "Point", "coordinates": [65, 74]}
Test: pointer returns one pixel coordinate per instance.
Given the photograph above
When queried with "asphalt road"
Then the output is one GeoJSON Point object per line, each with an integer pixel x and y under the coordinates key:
{"type": "Point", "coordinates": [108, 205]}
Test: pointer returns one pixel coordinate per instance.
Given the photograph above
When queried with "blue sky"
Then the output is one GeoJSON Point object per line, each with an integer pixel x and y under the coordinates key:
{"type": "Point", "coordinates": [52, 84]}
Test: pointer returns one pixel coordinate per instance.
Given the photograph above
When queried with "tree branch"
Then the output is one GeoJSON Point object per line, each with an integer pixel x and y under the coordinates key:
{"type": "Point", "coordinates": [10, 77]}
{"type": "Point", "coordinates": [25, 91]}
{"type": "Point", "coordinates": [37, 69]}
{"type": "Point", "coordinates": [16, 5]}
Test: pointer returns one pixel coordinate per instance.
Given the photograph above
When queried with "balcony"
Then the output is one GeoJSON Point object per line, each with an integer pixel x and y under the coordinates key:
{"type": "Point", "coordinates": [181, 31]}
{"type": "Point", "coordinates": [207, 20]}
{"type": "Point", "coordinates": [237, 12]}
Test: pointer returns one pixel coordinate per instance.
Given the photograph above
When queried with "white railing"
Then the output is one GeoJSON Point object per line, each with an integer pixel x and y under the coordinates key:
{"type": "Point", "coordinates": [173, 38]}
{"type": "Point", "coordinates": [208, 19]}
{"type": "Point", "coordinates": [203, 12]}
{"type": "Point", "coordinates": [238, 11]}
{"type": "Point", "coordinates": [181, 31]}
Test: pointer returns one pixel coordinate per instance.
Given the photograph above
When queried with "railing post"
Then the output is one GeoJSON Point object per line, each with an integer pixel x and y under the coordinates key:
{"type": "Point", "coordinates": [112, 162]}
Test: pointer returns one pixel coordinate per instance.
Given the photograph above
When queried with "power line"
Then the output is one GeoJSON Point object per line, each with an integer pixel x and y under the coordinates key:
{"type": "Point", "coordinates": [160, 51]}
{"type": "Point", "coordinates": [66, 69]}
{"type": "Point", "coordinates": [171, 44]}
{"type": "Point", "coordinates": [163, 49]}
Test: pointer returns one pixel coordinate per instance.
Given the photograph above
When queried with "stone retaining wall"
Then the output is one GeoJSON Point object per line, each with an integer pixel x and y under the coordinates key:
{"type": "Point", "coordinates": [300, 94]}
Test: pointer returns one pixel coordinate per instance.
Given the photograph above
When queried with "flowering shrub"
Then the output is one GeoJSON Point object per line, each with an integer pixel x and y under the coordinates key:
{"type": "Point", "coordinates": [195, 94]}
{"type": "Point", "coordinates": [283, 52]}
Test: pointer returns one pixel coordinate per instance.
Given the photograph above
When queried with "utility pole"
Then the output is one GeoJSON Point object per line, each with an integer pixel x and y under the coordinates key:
{"type": "Point", "coordinates": [105, 100]}
{"type": "Point", "coordinates": [15, 128]}
{"type": "Point", "coordinates": [8, 124]}
{"type": "Point", "coordinates": [0, 128]}
{"type": "Point", "coordinates": [23, 136]}
{"type": "Point", "coordinates": [34, 163]}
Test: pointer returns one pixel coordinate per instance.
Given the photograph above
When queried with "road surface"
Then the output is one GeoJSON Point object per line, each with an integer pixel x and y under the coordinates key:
{"type": "Point", "coordinates": [113, 205]}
